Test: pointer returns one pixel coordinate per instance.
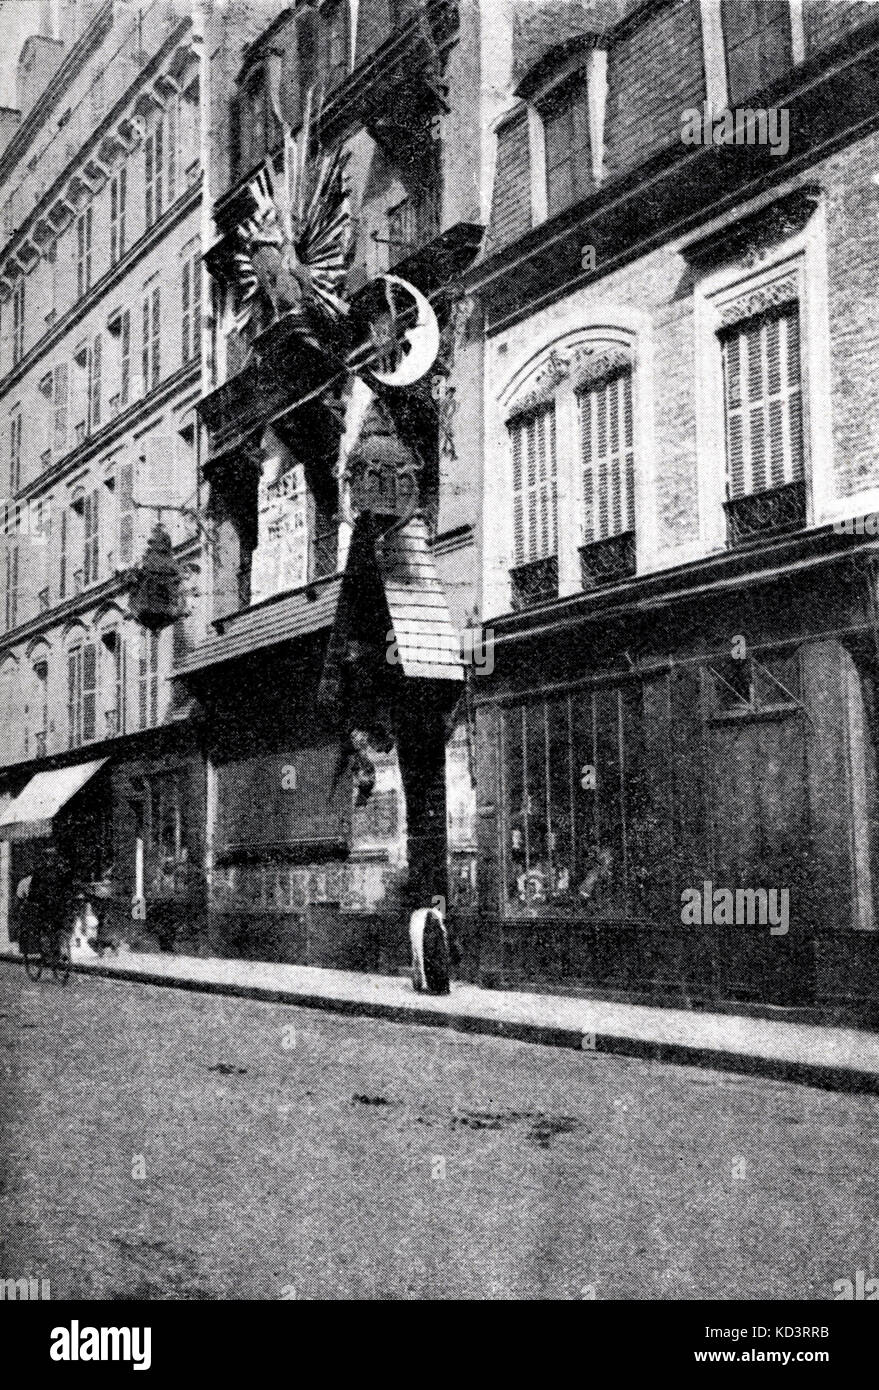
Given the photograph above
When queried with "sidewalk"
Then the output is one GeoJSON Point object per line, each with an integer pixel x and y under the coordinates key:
{"type": "Point", "coordinates": [833, 1058]}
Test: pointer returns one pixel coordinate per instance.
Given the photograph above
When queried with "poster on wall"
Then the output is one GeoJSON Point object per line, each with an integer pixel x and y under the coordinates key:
{"type": "Point", "coordinates": [285, 514]}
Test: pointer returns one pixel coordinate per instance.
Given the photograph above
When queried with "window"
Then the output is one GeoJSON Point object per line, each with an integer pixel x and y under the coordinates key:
{"type": "Point", "coordinates": [763, 400]}
{"type": "Point", "coordinates": [577, 823]}
{"type": "Point", "coordinates": [167, 817]}
{"type": "Point", "coordinates": [11, 585]}
{"type": "Point", "coordinates": [125, 495]}
{"type": "Point", "coordinates": [565, 118]}
{"type": "Point", "coordinates": [151, 343]}
{"type": "Point", "coordinates": [81, 693]}
{"type": "Point", "coordinates": [148, 680]}
{"type": "Point", "coordinates": [119, 329]}
{"type": "Point", "coordinates": [113, 681]}
{"type": "Point", "coordinates": [118, 197]}
{"type": "Point", "coordinates": [607, 457]}
{"type": "Point", "coordinates": [191, 280]}
{"type": "Point", "coordinates": [40, 705]}
{"type": "Point", "coordinates": [770, 682]}
{"type": "Point", "coordinates": [83, 252]}
{"type": "Point", "coordinates": [15, 451]}
{"type": "Point", "coordinates": [534, 486]}
{"type": "Point", "coordinates": [95, 384]}
{"type": "Point", "coordinates": [757, 36]}
{"type": "Point", "coordinates": [91, 537]}
{"type": "Point", "coordinates": [62, 556]}
{"type": "Point", "coordinates": [59, 402]}
{"type": "Point", "coordinates": [18, 322]}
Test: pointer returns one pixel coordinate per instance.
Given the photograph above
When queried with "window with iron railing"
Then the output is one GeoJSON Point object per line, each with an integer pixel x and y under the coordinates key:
{"type": "Point", "coordinates": [535, 506]}
{"type": "Point", "coordinates": [762, 375]}
{"type": "Point", "coordinates": [608, 460]}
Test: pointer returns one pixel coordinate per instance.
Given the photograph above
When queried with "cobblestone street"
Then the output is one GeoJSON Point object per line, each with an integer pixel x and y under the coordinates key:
{"type": "Point", "coordinates": [166, 1145]}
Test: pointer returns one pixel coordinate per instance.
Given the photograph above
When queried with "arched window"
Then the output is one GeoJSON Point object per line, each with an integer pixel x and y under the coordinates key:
{"type": "Point", "coordinates": [570, 418]}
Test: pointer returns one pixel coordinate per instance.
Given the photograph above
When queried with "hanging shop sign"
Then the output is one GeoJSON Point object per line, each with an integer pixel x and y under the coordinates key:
{"type": "Point", "coordinates": [156, 599]}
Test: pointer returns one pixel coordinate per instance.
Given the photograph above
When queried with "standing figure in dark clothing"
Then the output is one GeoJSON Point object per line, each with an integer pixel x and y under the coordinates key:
{"type": "Point", "coordinates": [51, 895]}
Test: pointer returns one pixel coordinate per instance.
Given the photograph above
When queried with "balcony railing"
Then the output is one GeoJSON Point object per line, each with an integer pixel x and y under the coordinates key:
{"type": "Point", "coordinates": [607, 561]}
{"type": "Point", "coordinates": [535, 582]}
{"type": "Point", "coordinates": [769, 513]}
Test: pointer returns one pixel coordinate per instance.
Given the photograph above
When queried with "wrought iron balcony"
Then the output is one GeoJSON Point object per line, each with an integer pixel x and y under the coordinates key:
{"type": "Point", "coordinates": [773, 512]}
{"type": "Point", "coordinates": [608, 561]}
{"type": "Point", "coordinates": [535, 582]}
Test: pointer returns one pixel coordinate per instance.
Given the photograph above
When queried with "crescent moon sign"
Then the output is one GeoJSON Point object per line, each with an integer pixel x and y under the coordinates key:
{"type": "Point", "coordinates": [405, 354]}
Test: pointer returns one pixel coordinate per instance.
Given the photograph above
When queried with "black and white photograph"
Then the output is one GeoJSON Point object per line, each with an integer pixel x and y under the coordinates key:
{"type": "Point", "coordinates": [439, 661]}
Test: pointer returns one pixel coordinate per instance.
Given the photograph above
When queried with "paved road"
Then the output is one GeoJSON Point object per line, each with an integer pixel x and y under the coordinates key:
{"type": "Point", "coordinates": [159, 1144]}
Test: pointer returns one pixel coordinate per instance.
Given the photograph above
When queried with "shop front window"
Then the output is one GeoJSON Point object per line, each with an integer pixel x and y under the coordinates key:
{"type": "Point", "coordinates": [577, 814]}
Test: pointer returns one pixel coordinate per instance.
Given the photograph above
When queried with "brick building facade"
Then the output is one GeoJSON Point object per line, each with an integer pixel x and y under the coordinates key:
{"type": "Point", "coordinates": [678, 421]}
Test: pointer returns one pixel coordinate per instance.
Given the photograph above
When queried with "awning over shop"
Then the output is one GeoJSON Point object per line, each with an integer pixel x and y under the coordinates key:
{"type": "Point", "coordinates": [30, 815]}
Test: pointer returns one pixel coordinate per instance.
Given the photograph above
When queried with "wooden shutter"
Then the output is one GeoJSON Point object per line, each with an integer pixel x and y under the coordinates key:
{"type": "Point", "coordinates": [74, 697]}
{"type": "Point", "coordinates": [145, 344]}
{"type": "Point", "coordinates": [125, 358]}
{"type": "Point", "coordinates": [90, 554]}
{"type": "Point", "coordinates": [123, 195]}
{"type": "Point", "coordinates": [185, 309]}
{"type": "Point", "coordinates": [155, 356]}
{"type": "Point", "coordinates": [511, 207]}
{"type": "Point", "coordinates": [114, 220]}
{"type": "Point", "coordinates": [95, 401]}
{"type": "Point", "coordinates": [566, 141]}
{"type": "Point", "coordinates": [148, 179]}
{"type": "Point", "coordinates": [62, 571]}
{"type": "Point", "coordinates": [59, 396]}
{"type": "Point", "coordinates": [195, 332]}
{"type": "Point", "coordinates": [126, 513]}
{"type": "Point", "coordinates": [89, 692]}
{"type": "Point", "coordinates": [142, 680]}
{"type": "Point", "coordinates": [535, 519]}
{"type": "Point", "coordinates": [763, 398]}
{"type": "Point", "coordinates": [171, 154]}
{"type": "Point", "coordinates": [159, 167]}
{"type": "Point", "coordinates": [154, 678]}
{"type": "Point", "coordinates": [608, 458]}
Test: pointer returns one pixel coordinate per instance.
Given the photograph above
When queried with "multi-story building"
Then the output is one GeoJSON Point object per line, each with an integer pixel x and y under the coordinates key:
{"type": "Point", "coordinates": [100, 372]}
{"type": "Point", "coordinates": [677, 759]}
{"type": "Point", "coordinates": [343, 465]}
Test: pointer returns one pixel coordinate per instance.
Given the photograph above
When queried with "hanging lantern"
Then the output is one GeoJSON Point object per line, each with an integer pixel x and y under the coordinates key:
{"type": "Point", "coordinates": [382, 471]}
{"type": "Point", "coordinates": [155, 596]}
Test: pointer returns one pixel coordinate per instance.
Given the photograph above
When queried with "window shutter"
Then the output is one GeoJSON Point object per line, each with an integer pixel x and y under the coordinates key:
{"type": "Point", "coordinates": [159, 167]}
{"type": "Point", "coordinates": [511, 210]}
{"type": "Point", "coordinates": [142, 680]}
{"type": "Point", "coordinates": [123, 194]}
{"type": "Point", "coordinates": [145, 350]}
{"type": "Point", "coordinates": [148, 179]}
{"type": "Point", "coordinates": [119, 674]}
{"type": "Point", "coordinates": [196, 305]}
{"type": "Point", "coordinates": [60, 400]}
{"type": "Point", "coordinates": [763, 397]}
{"type": "Point", "coordinates": [126, 513]}
{"type": "Point", "coordinates": [125, 358]}
{"type": "Point", "coordinates": [608, 458]}
{"type": "Point", "coordinates": [89, 692]}
{"type": "Point", "coordinates": [74, 697]}
{"type": "Point", "coordinates": [172, 150]}
{"type": "Point", "coordinates": [96, 383]}
{"type": "Point", "coordinates": [114, 221]}
{"type": "Point", "coordinates": [155, 346]}
{"type": "Point", "coordinates": [154, 678]}
{"type": "Point", "coordinates": [535, 519]}
{"type": "Point", "coordinates": [62, 573]}
{"type": "Point", "coordinates": [184, 309]}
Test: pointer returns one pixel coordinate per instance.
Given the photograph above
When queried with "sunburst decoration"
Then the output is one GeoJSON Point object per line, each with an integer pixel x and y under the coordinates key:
{"type": "Point", "coordinates": [296, 245]}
